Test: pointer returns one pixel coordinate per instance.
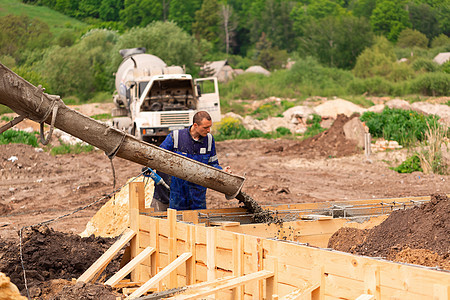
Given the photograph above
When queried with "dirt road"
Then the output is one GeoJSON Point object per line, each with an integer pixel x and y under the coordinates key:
{"type": "Point", "coordinates": [38, 187]}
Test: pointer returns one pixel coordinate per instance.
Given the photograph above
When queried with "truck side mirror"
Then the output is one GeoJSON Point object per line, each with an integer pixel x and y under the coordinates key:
{"type": "Point", "coordinates": [199, 90]}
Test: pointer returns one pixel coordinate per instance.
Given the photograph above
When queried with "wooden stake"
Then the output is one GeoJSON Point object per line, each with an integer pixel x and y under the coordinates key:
{"type": "Point", "coordinates": [103, 260]}
{"type": "Point", "coordinates": [158, 277]}
{"type": "Point", "coordinates": [136, 201]}
{"type": "Point", "coordinates": [172, 218]}
{"type": "Point", "coordinates": [130, 266]}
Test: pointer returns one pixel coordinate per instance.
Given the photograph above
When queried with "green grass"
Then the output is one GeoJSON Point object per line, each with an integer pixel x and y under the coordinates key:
{"type": "Point", "coordinates": [55, 20]}
{"type": "Point", "coordinates": [411, 164]}
{"type": "Point", "coordinates": [71, 149]}
{"type": "Point", "coordinates": [101, 117]}
{"type": "Point", "coordinates": [18, 137]}
{"type": "Point", "coordinates": [5, 109]}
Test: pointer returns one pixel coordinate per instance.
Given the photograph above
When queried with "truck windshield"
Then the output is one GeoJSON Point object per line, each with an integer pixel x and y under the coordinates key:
{"type": "Point", "coordinates": [142, 86]}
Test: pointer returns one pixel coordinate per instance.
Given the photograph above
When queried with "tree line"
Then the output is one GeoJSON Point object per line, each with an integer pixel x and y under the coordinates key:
{"type": "Point", "coordinates": [364, 36]}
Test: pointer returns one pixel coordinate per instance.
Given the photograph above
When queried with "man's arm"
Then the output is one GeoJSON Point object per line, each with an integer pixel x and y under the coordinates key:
{"type": "Point", "coordinates": [168, 142]}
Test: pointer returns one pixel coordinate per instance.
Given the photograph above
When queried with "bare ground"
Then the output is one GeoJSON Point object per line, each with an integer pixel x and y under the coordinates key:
{"type": "Point", "coordinates": [39, 187]}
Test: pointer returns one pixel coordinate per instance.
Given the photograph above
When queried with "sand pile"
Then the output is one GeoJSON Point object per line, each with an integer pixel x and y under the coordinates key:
{"type": "Point", "coordinates": [8, 291]}
{"type": "Point", "coordinates": [113, 217]}
{"type": "Point", "coordinates": [416, 235]}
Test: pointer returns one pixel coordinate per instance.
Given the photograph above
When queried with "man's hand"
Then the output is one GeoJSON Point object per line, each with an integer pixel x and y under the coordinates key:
{"type": "Point", "coordinates": [228, 169]}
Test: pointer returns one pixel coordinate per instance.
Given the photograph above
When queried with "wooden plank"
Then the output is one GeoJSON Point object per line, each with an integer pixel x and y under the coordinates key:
{"type": "Point", "coordinates": [302, 293]}
{"type": "Point", "coordinates": [130, 266]}
{"type": "Point", "coordinates": [158, 277]}
{"type": "Point", "coordinates": [211, 253]}
{"type": "Point", "coordinates": [136, 201]}
{"type": "Point", "coordinates": [238, 264]}
{"type": "Point", "coordinates": [224, 223]}
{"type": "Point", "coordinates": [227, 284]}
{"type": "Point", "coordinates": [365, 297]}
{"type": "Point", "coordinates": [190, 263]}
{"type": "Point", "coordinates": [103, 260]}
{"type": "Point", "coordinates": [372, 281]}
{"type": "Point", "coordinates": [441, 292]}
{"type": "Point", "coordinates": [172, 218]}
{"type": "Point", "coordinates": [190, 216]}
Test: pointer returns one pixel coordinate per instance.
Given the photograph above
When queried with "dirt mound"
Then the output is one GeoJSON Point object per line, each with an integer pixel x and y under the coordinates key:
{"type": "Point", "coordinates": [330, 143]}
{"type": "Point", "coordinates": [425, 228]}
{"type": "Point", "coordinates": [48, 254]}
{"type": "Point", "coordinates": [346, 239]}
{"type": "Point", "coordinates": [86, 291]}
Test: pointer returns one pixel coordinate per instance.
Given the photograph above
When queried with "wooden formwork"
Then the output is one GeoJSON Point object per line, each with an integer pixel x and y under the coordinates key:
{"type": "Point", "coordinates": [244, 262]}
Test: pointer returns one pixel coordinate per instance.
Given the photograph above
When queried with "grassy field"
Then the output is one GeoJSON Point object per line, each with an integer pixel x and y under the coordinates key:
{"type": "Point", "coordinates": [55, 20]}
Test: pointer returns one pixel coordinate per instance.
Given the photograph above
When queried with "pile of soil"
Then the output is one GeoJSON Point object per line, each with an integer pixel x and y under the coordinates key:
{"type": "Point", "coordinates": [330, 143]}
{"type": "Point", "coordinates": [416, 235]}
{"type": "Point", "coordinates": [85, 291]}
{"type": "Point", "coordinates": [48, 254]}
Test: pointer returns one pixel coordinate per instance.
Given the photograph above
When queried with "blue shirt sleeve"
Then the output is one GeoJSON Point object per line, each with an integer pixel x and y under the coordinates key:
{"type": "Point", "coordinates": [168, 142]}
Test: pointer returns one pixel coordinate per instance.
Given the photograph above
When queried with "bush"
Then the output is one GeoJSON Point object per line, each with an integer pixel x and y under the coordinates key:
{"type": "Point", "coordinates": [271, 109]}
{"type": "Point", "coordinates": [432, 84]}
{"type": "Point", "coordinates": [376, 86]}
{"type": "Point", "coordinates": [314, 128]}
{"type": "Point", "coordinates": [411, 38]}
{"type": "Point", "coordinates": [425, 64]}
{"type": "Point", "coordinates": [411, 164]}
{"type": "Point", "coordinates": [230, 128]}
{"type": "Point", "coordinates": [404, 126]}
{"type": "Point", "coordinates": [440, 40]}
{"type": "Point", "coordinates": [18, 137]}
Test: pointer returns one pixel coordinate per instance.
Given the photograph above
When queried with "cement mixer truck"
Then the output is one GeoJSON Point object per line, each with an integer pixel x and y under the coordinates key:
{"type": "Point", "coordinates": [153, 99]}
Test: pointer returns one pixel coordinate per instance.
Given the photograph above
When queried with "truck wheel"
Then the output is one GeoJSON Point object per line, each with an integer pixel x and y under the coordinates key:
{"type": "Point", "coordinates": [119, 112]}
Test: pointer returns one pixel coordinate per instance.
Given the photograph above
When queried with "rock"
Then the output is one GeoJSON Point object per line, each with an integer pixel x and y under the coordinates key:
{"type": "Point", "coordinates": [443, 111]}
{"type": "Point", "coordinates": [327, 123]}
{"type": "Point", "coordinates": [376, 108]}
{"type": "Point", "coordinates": [298, 114]}
{"type": "Point", "coordinates": [257, 69]}
{"type": "Point", "coordinates": [398, 104]}
{"type": "Point", "coordinates": [354, 131]}
{"type": "Point", "coordinates": [339, 106]}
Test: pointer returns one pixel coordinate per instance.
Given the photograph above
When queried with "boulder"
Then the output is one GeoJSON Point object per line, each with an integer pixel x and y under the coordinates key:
{"type": "Point", "coordinates": [354, 131]}
{"type": "Point", "coordinates": [376, 108]}
{"type": "Point", "coordinates": [233, 115]}
{"type": "Point", "coordinates": [298, 114]}
{"type": "Point", "coordinates": [443, 111]}
{"type": "Point", "coordinates": [398, 104]}
{"type": "Point", "coordinates": [257, 69]}
{"type": "Point", "coordinates": [339, 106]}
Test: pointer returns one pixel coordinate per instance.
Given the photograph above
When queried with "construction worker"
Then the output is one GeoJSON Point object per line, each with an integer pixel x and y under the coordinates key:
{"type": "Point", "coordinates": [195, 142]}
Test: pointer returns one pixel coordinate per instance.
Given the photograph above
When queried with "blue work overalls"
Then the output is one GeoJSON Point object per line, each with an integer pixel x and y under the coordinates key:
{"type": "Point", "coordinates": [186, 195]}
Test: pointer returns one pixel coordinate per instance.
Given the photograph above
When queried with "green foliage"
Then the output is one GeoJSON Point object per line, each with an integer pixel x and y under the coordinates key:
{"type": "Point", "coordinates": [376, 60]}
{"type": "Point", "coordinates": [440, 40]}
{"type": "Point", "coordinates": [404, 126]}
{"type": "Point", "coordinates": [423, 18]}
{"type": "Point", "coordinates": [389, 18]}
{"type": "Point", "coordinates": [432, 84]}
{"type": "Point", "coordinates": [71, 149]}
{"type": "Point", "coordinates": [18, 137]}
{"type": "Point", "coordinates": [80, 70]}
{"type": "Point", "coordinates": [141, 13]}
{"type": "Point", "coordinates": [22, 32]}
{"type": "Point", "coordinates": [412, 38]}
{"type": "Point", "coordinates": [375, 86]}
{"type": "Point", "coordinates": [425, 65]}
{"type": "Point", "coordinates": [6, 119]}
{"type": "Point", "coordinates": [271, 109]}
{"type": "Point", "coordinates": [411, 164]}
{"type": "Point", "coordinates": [104, 116]}
{"type": "Point", "coordinates": [33, 77]}
{"type": "Point", "coordinates": [207, 22]}
{"type": "Point", "coordinates": [314, 128]}
{"type": "Point", "coordinates": [336, 41]}
{"type": "Point", "coordinates": [163, 39]}
{"type": "Point", "coordinates": [268, 56]}
{"type": "Point", "coordinates": [446, 67]}
{"type": "Point", "coordinates": [230, 128]}
{"type": "Point", "coordinates": [5, 109]}
{"type": "Point", "coordinates": [182, 12]}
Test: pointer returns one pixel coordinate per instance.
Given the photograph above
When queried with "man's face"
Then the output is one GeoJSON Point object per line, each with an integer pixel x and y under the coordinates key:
{"type": "Point", "coordinates": [203, 128]}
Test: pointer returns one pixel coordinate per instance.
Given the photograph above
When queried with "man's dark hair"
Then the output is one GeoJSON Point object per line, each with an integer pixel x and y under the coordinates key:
{"type": "Point", "coordinates": [200, 115]}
